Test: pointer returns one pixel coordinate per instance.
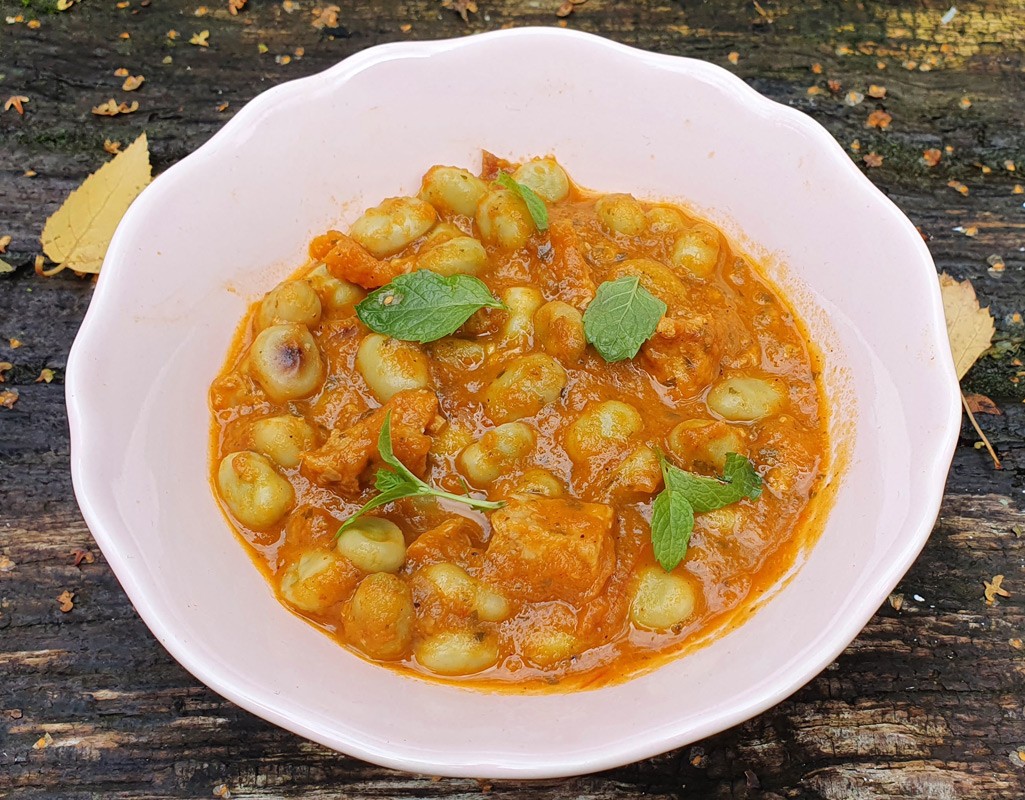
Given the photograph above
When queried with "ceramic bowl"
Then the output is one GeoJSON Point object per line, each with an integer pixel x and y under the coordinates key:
{"type": "Point", "coordinates": [224, 225]}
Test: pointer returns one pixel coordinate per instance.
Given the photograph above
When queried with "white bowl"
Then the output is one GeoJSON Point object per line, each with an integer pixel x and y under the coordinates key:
{"type": "Point", "coordinates": [224, 225]}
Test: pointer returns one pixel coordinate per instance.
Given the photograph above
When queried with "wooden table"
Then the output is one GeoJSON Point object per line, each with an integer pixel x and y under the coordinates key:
{"type": "Point", "coordinates": [929, 702]}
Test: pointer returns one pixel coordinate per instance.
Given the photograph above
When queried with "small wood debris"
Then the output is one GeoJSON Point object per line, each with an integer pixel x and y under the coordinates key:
{"type": "Point", "coordinates": [964, 103]}
{"type": "Point", "coordinates": [222, 107]}
{"type": "Point", "coordinates": [1017, 644]}
{"type": "Point", "coordinates": [6, 565]}
{"type": "Point", "coordinates": [81, 556]}
{"type": "Point", "coordinates": [751, 780]}
{"type": "Point", "coordinates": [112, 108]}
{"type": "Point", "coordinates": [45, 376]}
{"type": "Point", "coordinates": [878, 92]}
{"type": "Point", "coordinates": [896, 601]}
{"type": "Point", "coordinates": [111, 147]}
{"type": "Point", "coordinates": [201, 39]}
{"type": "Point", "coordinates": [971, 231]}
{"type": "Point", "coordinates": [980, 404]}
{"type": "Point", "coordinates": [17, 102]}
{"type": "Point", "coordinates": [66, 600]}
{"type": "Point", "coordinates": [30, 173]}
{"type": "Point", "coordinates": [8, 397]}
{"type": "Point", "coordinates": [564, 10]}
{"type": "Point", "coordinates": [132, 82]}
{"type": "Point", "coordinates": [878, 119]}
{"type": "Point", "coordinates": [873, 160]}
{"type": "Point", "coordinates": [932, 157]}
{"type": "Point", "coordinates": [994, 588]}
{"type": "Point", "coordinates": [462, 7]}
{"type": "Point", "coordinates": [959, 187]}
{"type": "Point", "coordinates": [43, 742]}
{"type": "Point", "coordinates": [234, 6]}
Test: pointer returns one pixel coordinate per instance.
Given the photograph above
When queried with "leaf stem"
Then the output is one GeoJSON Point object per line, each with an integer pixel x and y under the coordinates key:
{"type": "Point", "coordinates": [982, 436]}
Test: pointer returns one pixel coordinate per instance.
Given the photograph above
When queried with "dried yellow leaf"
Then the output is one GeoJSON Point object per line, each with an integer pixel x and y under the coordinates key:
{"type": "Point", "coordinates": [112, 147]}
{"type": "Point", "coordinates": [66, 599]}
{"type": "Point", "coordinates": [5, 366]}
{"type": "Point", "coordinates": [201, 39]}
{"type": "Point", "coordinates": [5, 267]}
{"type": "Point", "coordinates": [733, 57]}
{"type": "Point", "coordinates": [78, 233]}
{"type": "Point", "coordinates": [994, 588]}
{"type": "Point", "coordinates": [64, 5]}
{"type": "Point", "coordinates": [43, 742]}
{"type": "Point", "coordinates": [8, 398]}
{"type": "Point", "coordinates": [6, 565]}
{"type": "Point", "coordinates": [4, 241]}
{"type": "Point", "coordinates": [46, 375]}
{"type": "Point", "coordinates": [132, 82]}
{"type": "Point", "coordinates": [969, 327]}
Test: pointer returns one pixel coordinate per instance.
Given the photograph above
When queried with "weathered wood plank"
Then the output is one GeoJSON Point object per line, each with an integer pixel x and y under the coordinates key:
{"type": "Point", "coordinates": [925, 703]}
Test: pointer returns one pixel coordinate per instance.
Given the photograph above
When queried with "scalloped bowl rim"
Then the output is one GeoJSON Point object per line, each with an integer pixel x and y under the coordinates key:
{"type": "Point", "coordinates": [101, 322]}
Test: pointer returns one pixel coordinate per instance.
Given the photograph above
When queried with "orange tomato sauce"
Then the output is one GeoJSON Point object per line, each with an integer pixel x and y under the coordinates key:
{"type": "Point", "coordinates": [545, 590]}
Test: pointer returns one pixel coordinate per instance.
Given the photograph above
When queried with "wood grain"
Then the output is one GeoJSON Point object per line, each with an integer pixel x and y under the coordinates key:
{"type": "Point", "coordinates": [926, 703]}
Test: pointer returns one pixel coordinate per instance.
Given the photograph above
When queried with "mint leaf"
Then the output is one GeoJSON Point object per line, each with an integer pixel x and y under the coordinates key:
{"type": "Point", "coordinates": [672, 521]}
{"type": "Point", "coordinates": [535, 205]}
{"type": "Point", "coordinates": [687, 494]}
{"type": "Point", "coordinates": [402, 483]}
{"type": "Point", "coordinates": [423, 306]}
{"type": "Point", "coordinates": [622, 317]}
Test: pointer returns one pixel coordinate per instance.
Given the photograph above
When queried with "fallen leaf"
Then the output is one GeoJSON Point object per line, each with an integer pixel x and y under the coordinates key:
{"type": "Point", "coordinates": [959, 187]}
{"type": "Point", "coordinates": [82, 555]}
{"type": "Point", "coordinates": [121, 72]}
{"type": "Point", "coordinates": [201, 39]}
{"type": "Point", "coordinates": [4, 241]}
{"type": "Point", "coordinates": [64, 5]}
{"type": "Point", "coordinates": [965, 103]}
{"type": "Point", "coordinates": [14, 343]}
{"type": "Point", "coordinates": [878, 119]}
{"type": "Point", "coordinates": [5, 267]}
{"type": "Point", "coordinates": [45, 375]}
{"type": "Point", "coordinates": [30, 173]}
{"type": "Point", "coordinates": [896, 601]}
{"type": "Point", "coordinates": [873, 160]}
{"type": "Point", "coordinates": [971, 231]}
{"type": "Point", "coordinates": [112, 108]}
{"type": "Point", "coordinates": [405, 27]}
{"type": "Point", "coordinates": [222, 107]}
{"type": "Point", "coordinates": [1018, 189]}
{"type": "Point", "coordinates": [996, 263]}
{"type": "Point", "coordinates": [1017, 644]}
{"type": "Point", "coordinates": [814, 90]}
{"type": "Point", "coordinates": [202, 11]}
{"type": "Point", "coordinates": [285, 59]}
{"type": "Point", "coordinates": [5, 366]}
{"type": "Point", "coordinates": [172, 34]}
{"type": "Point", "coordinates": [816, 68]}
{"type": "Point", "coordinates": [66, 600]}
{"type": "Point", "coordinates": [834, 86]}
{"type": "Point", "coordinates": [733, 57]}
{"type": "Point", "coordinates": [78, 233]}
{"type": "Point", "coordinates": [234, 6]}
{"type": "Point", "coordinates": [854, 98]}
{"type": "Point", "coordinates": [325, 17]}
{"type": "Point", "coordinates": [461, 7]}
{"type": "Point", "coordinates": [8, 397]}
{"type": "Point", "coordinates": [43, 742]}
{"type": "Point", "coordinates": [261, 48]}
{"type": "Point", "coordinates": [6, 565]}
{"type": "Point", "coordinates": [221, 790]}
{"type": "Point", "coordinates": [132, 82]}
{"type": "Point", "coordinates": [932, 157]}
{"type": "Point", "coordinates": [969, 327]}
{"type": "Point", "coordinates": [112, 147]}
{"type": "Point", "coordinates": [125, 35]}
{"type": "Point", "coordinates": [980, 404]}
{"type": "Point", "coordinates": [878, 92]}
{"type": "Point", "coordinates": [995, 588]}
{"type": "Point", "coordinates": [565, 10]}
{"type": "Point", "coordinates": [17, 102]}
{"type": "Point", "coordinates": [1010, 166]}
{"type": "Point", "coordinates": [34, 24]}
